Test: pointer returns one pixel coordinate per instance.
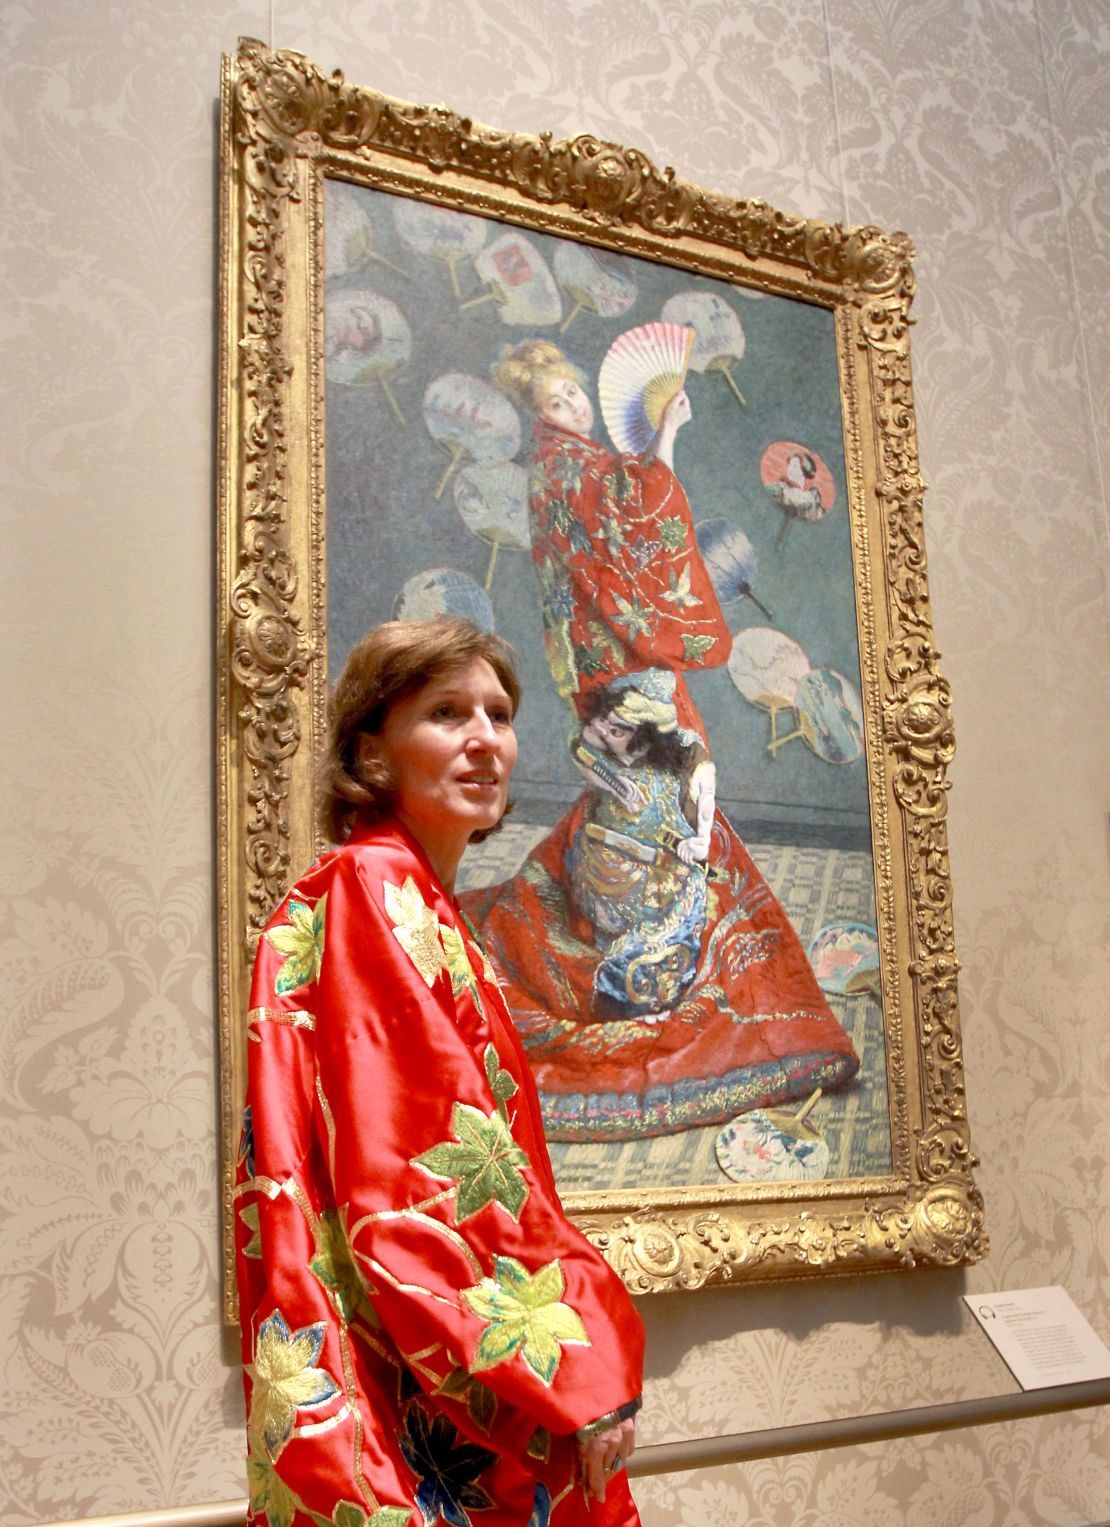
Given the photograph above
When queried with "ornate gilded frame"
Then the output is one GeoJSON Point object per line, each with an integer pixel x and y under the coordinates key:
{"type": "Point", "coordinates": [283, 125]}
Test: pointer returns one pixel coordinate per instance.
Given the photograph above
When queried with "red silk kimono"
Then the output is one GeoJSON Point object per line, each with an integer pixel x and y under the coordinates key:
{"type": "Point", "coordinates": [624, 590]}
{"type": "Point", "coordinates": [422, 1328]}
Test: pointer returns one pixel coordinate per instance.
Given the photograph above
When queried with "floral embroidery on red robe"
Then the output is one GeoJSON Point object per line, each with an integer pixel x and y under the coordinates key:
{"type": "Point", "coordinates": [423, 1330]}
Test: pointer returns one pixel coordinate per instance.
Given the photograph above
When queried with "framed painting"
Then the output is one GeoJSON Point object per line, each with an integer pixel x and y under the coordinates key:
{"type": "Point", "coordinates": [663, 442]}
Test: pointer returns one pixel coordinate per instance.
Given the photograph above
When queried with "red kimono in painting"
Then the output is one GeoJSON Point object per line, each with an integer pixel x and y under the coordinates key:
{"type": "Point", "coordinates": [423, 1330]}
{"type": "Point", "coordinates": [624, 590]}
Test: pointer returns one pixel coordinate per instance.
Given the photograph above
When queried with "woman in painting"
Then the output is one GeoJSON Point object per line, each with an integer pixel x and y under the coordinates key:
{"type": "Point", "coordinates": [623, 590]}
{"type": "Point", "coordinates": [425, 1335]}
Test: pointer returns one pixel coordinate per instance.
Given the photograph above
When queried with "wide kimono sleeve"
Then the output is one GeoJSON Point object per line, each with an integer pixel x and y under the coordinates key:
{"type": "Point", "coordinates": [438, 1172]}
{"type": "Point", "coordinates": [618, 563]}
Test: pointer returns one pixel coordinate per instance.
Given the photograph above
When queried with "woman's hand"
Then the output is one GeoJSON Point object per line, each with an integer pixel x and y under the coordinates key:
{"type": "Point", "coordinates": [677, 413]}
{"type": "Point", "coordinates": [605, 1454]}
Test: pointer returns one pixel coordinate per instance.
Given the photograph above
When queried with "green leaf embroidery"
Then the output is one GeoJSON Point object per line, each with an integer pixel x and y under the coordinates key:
{"type": "Point", "coordinates": [695, 646]}
{"type": "Point", "coordinates": [501, 1083]}
{"type": "Point", "coordinates": [301, 940]}
{"type": "Point", "coordinates": [268, 1492]}
{"type": "Point", "coordinates": [349, 1514]}
{"type": "Point", "coordinates": [481, 1403]}
{"type": "Point", "coordinates": [539, 1444]}
{"type": "Point", "coordinates": [336, 1270]}
{"type": "Point", "coordinates": [249, 1216]}
{"type": "Point", "coordinates": [483, 1159]}
{"type": "Point", "coordinates": [415, 927]}
{"type": "Point", "coordinates": [525, 1314]}
{"type": "Point", "coordinates": [672, 533]}
{"type": "Point", "coordinates": [458, 964]}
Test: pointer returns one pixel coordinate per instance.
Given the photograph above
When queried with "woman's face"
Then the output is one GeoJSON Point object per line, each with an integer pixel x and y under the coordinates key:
{"type": "Point", "coordinates": [450, 749]}
{"type": "Point", "coordinates": [565, 405]}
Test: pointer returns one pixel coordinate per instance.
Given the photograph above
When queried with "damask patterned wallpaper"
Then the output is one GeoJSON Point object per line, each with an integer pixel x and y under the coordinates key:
{"type": "Point", "coordinates": [979, 126]}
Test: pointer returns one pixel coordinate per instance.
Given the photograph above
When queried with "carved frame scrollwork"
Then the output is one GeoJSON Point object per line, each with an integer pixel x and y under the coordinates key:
{"type": "Point", "coordinates": [283, 123]}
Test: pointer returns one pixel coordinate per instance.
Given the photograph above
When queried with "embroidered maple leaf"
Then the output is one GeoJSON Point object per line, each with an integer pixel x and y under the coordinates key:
{"type": "Point", "coordinates": [695, 646]}
{"type": "Point", "coordinates": [447, 1466]}
{"type": "Point", "coordinates": [301, 940]}
{"type": "Point", "coordinates": [483, 1159]}
{"type": "Point", "coordinates": [632, 616]}
{"type": "Point", "coordinates": [285, 1379]}
{"type": "Point", "coordinates": [524, 1313]}
{"type": "Point", "coordinates": [415, 927]}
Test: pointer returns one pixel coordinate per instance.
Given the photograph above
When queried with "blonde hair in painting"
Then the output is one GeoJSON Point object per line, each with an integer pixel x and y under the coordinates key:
{"type": "Point", "coordinates": [525, 370]}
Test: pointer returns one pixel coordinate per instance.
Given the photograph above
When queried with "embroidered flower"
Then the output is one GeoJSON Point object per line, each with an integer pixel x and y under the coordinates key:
{"type": "Point", "coordinates": [672, 532]}
{"type": "Point", "coordinates": [633, 617]}
{"type": "Point", "coordinates": [301, 940]}
{"type": "Point", "coordinates": [525, 1314]}
{"type": "Point", "coordinates": [285, 1379]}
{"type": "Point", "coordinates": [447, 1471]}
{"type": "Point", "coordinates": [416, 928]}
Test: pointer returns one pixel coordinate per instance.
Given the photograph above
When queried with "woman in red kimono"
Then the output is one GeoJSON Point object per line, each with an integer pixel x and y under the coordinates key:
{"type": "Point", "coordinates": [700, 1036]}
{"type": "Point", "coordinates": [425, 1335]}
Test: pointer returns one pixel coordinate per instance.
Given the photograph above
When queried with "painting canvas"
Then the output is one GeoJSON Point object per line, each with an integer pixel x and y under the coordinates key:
{"type": "Point", "coordinates": [663, 442]}
{"type": "Point", "coordinates": [712, 606]}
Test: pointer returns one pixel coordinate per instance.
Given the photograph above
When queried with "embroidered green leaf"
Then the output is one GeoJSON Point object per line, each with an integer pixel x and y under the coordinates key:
{"type": "Point", "coordinates": [458, 964]}
{"type": "Point", "coordinates": [481, 1403]}
{"type": "Point", "coordinates": [525, 1314]}
{"type": "Point", "coordinates": [269, 1493]}
{"type": "Point", "coordinates": [349, 1514]}
{"type": "Point", "coordinates": [501, 1083]}
{"type": "Point", "coordinates": [415, 927]}
{"type": "Point", "coordinates": [672, 533]}
{"type": "Point", "coordinates": [695, 646]}
{"type": "Point", "coordinates": [301, 940]}
{"type": "Point", "coordinates": [483, 1159]}
{"type": "Point", "coordinates": [285, 1379]}
{"type": "Point", "coordinates": [336, 1270]}
{"type": "Point", "coordinates": [539, 1444]}
{"type": "Point", "coordinates": [249, 1216]}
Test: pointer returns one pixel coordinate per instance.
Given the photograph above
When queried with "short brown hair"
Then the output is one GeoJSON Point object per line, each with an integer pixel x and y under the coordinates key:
{"type": "Point", "coordinates": [390, 663]}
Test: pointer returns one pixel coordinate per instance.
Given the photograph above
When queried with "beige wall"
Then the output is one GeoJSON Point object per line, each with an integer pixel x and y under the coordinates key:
{"type": "Point", "coordinates": [979, 126]}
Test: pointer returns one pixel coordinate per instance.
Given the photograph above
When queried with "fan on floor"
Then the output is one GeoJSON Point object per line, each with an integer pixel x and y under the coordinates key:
{"type": "Point", "coordinates": [642, 371]}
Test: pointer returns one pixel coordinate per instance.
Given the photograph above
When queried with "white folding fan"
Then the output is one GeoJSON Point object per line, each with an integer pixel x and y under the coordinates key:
{"type": "Point", "coordinates": [642, 371]}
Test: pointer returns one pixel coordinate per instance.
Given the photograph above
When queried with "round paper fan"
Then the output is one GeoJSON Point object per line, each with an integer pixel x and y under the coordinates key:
{"type": "Point", "coordinates": [642, 371]}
